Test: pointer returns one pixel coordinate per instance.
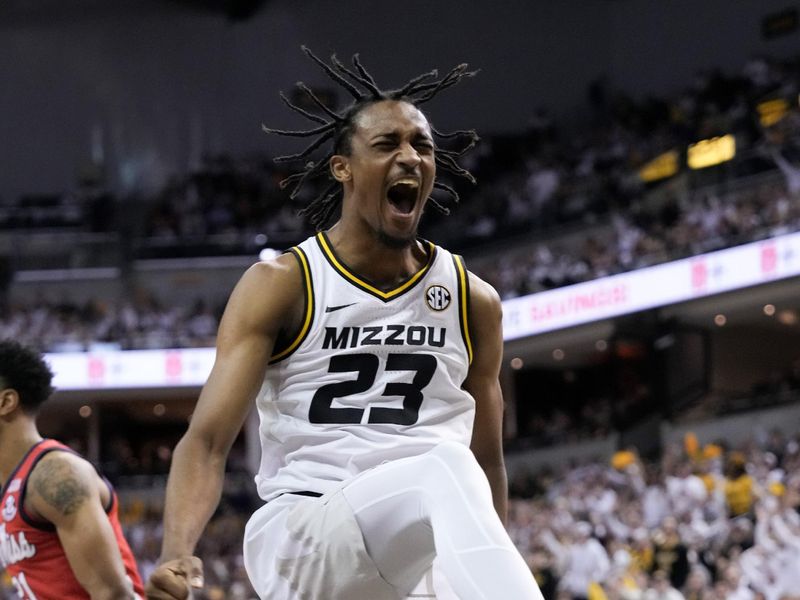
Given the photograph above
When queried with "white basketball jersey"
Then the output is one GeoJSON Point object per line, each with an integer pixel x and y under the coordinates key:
{"type": "Point", "coordinates": [372, 376]}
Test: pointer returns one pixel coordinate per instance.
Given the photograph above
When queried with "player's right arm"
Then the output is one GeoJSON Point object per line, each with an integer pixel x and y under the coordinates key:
{"type": "Point", "coordinates": [65, 491]}
{"type": "Point", "coordinates": [266, 298]}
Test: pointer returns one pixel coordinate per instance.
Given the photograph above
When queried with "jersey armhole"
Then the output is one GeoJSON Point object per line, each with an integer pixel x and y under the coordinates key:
{"type": "Point", "coordinates": [462, 278]}
{"type": "Point", "coordinates": [285, 346]}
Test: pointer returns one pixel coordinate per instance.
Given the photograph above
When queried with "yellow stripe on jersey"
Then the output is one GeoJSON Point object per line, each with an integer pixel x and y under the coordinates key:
{"type": "Point", "coordinates": [309, 291]}
{"type": "Point", "coordinates": [365, 285]}
{"type": "Point", "coordinates": [463, 299]}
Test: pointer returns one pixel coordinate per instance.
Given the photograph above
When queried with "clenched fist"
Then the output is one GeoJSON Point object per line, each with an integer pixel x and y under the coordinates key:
{"type": "Point", "coordinates": [175, 579]}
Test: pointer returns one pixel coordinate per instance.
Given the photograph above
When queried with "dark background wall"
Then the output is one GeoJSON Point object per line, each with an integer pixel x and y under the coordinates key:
{"type": "Point", "coordinates": [149, 86]}
{"type": "Point", "coordinates": [655, 46]}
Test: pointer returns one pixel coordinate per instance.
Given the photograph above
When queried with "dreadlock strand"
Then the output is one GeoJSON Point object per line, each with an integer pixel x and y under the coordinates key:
{"type": "Point", "coordinates": [368, 83]}
{"type": "Point", "coordinates": [438, 206]}
{"type": "Point", "coordinates": [470, 145]}
{"type": "Point", "coordinates": [448, 190]}
{"type": "Point", "coordinates": [343, 73]}
{"type": "Point", "coordinates": [473, 140]}
{"type": "Point", "coordinates": [308, 150]}
{"type": "Point", "coordinates": [407, 88]}
{"type": "Point", "coordinates": [300, 177]}
{"type": "Point", "coordinates": [306, 133]}
{"type": "Point", "coordinates": [432, 89]}
{"type": "Point", "coordinates": [311, 212]}
{"type": "Point", "coordinates": [456, 154]}
{"type": "Point", "coordinates": [320, 209]}
{"type": "Point", "coordinates": [448, 163]}
{"type": "Point", "coordinates": [360, 68]}
{"type": "Point", "coordinates": [457, 71]}
{"type": "Point", "coordinates": [335, 116]}
{"type": "Point", "coordinates": [332, 202]}
{"type": "Point", "coordinates": [333, 74]}
{"type": "Point", "coordinates": [312, 171]}
{"type": "Point", "coordinates": [459, 132]}
{"type": "Point", "coordinates": [287, 181]}
{"type": "Point", "coordinates": [305, 113]}
{"type": "Point", "coordinates": [376, 93]}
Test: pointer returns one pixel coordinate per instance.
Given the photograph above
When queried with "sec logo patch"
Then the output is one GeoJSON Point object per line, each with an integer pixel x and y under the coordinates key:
{"type": "Point", "coordinates": [438, 297]}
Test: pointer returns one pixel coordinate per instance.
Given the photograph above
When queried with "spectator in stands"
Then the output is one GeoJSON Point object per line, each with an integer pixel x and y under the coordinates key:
{"type": "Point", "coordinates": [670, 554]}
{"type": "Point", "coordinates": [697, 584]}
{"type": "Point", "coordinates": [739, 486]}
{"type": "Point", "coordinates": [582, 560]}
{"type": "Point", "coordinates": [661, 588]}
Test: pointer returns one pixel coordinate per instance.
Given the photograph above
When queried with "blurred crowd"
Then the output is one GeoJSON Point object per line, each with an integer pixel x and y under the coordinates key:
{"type": "Point", "coordinates": [140, 322]}
{"type": "Point", "coordinates": [702, 523]}
{"type": "Point", "coordinates": [644, 236]}
{"type": "Point", "coordinates": [595, 413]}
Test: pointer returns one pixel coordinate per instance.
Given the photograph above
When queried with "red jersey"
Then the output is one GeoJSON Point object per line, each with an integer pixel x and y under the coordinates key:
{"type": "Point", "coordinates": [31, 552]}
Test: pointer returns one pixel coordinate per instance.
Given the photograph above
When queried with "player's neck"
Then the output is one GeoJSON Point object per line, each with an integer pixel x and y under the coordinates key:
{"type": "Point", "coordinates": [379, 263]}
{"type": "Point", "coordinates": [15, 441]}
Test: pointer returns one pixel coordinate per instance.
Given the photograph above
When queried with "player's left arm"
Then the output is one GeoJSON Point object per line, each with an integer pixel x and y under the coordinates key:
{"type": "Point", "coordinates": [483, 382]}
{"type": "Point", "coordinates": [64, 489]}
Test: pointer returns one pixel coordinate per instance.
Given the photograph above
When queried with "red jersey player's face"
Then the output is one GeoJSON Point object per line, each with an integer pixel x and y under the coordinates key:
{"type": "Point", "coordinates": [389, 173]}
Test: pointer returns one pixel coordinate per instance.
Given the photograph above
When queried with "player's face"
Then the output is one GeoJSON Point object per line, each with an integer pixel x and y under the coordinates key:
{"type": "Point", "coordinates": [391, 170]}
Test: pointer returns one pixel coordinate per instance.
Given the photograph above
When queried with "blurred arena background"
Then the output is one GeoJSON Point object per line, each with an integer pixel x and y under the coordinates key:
{"type": "Point", "coordinates": [638, 209]}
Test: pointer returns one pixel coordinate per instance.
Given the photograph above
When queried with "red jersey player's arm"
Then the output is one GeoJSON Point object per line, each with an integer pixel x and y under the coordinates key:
{"type": "Point", "coordinates": [64, 489]}
{"type": "Point", "coordinates": [483, 382]}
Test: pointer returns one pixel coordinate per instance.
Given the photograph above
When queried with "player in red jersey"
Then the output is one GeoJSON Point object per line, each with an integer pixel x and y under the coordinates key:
{"type": "Point", "coordinates": [60, 537]}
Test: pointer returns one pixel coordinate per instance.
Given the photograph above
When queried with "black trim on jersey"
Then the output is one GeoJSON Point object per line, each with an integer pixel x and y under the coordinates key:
{"type": "Point", "coordinates": [47, 525]}
{"type": "Point", "coordinates": [286, 346]}
{"type": "Point", "coordinates": [304, 493]}
{"type": "Point", "coordinates": [298, 493]}
{"type": "Point", "coordinates": [364, 284]}
{"type": "Point", "coordinates": [463, 303]}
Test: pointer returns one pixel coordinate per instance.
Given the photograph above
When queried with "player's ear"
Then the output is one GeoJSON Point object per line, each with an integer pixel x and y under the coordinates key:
{"type": "Point", "coordinates": [340, 168]}
{"type": "Point", "coordinates": [9, 401]}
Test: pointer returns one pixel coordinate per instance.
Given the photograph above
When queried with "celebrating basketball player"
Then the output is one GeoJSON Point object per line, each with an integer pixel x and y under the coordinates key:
{"type": "Point", "coordinates": [373, 358]}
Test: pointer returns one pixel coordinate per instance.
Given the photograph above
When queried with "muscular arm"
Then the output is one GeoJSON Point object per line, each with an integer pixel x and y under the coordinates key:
{"type": "Point", "coordinates": [260, 304]}
{"type": "Point", "coordinates": [485, 320]}
{"type": "Point", "coordinates": [64, 489]}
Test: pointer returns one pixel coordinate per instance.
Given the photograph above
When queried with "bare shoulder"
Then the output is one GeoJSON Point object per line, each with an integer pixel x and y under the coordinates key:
{"type": "Point", "coordinates": [267, 293]}
{"type": "Point", "coordinates": [278, 275]}
{"type": "Point", "coordinates": [60, 484]}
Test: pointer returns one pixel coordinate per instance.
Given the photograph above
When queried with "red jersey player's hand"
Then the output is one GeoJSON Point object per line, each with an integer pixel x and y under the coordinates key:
{"type": "Point", "coordinates": [175, 579]}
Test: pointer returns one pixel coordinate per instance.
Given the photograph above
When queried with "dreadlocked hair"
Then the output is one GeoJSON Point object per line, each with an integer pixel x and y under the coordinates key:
{"type": "Point", "coordinates": [337, 128]}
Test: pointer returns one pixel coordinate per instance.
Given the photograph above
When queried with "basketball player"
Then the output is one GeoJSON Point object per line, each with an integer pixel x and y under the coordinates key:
{"type": "Point", "coordinates": [60, 537]}
{"type": "Point", "coordinates": [373, 358]}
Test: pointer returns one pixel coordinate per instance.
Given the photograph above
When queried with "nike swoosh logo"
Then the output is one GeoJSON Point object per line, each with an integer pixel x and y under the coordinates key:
{"type": "Point", "coordinates": [340, 307]}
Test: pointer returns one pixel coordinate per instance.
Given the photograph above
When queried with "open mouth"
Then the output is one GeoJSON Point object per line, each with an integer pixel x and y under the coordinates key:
{"type": "Point", "coordinates": [402, 195]}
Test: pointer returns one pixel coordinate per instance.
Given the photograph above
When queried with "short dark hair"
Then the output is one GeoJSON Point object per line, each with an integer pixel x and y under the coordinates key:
{"type": "Point", "coordinates": [337, 128]}
{"type": "Point", "coordinates": [25, 371]}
